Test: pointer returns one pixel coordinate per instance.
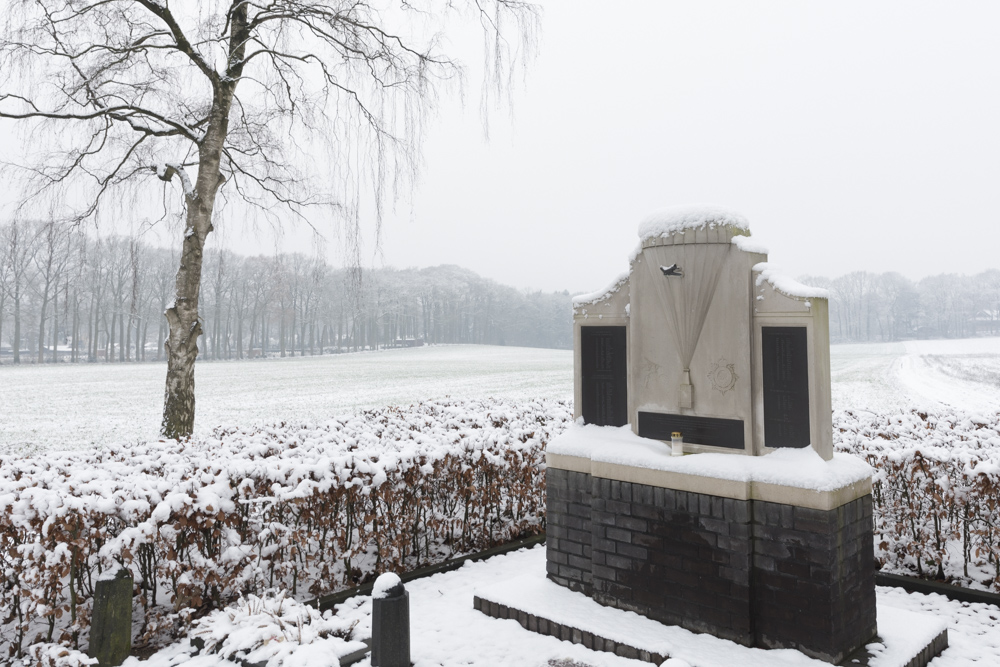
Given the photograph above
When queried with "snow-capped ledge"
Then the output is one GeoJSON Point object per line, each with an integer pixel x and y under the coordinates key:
{"type": "Point", "coordinates": [682, 218]}
{"type": "Point", "coordinates": [600, 295]}
{"type": "Point", "coordinates": [786, 285]}
{"type": "Point", "coordinates": [789, 476]}
{"type": "Point", "coordinates": [748, 244]}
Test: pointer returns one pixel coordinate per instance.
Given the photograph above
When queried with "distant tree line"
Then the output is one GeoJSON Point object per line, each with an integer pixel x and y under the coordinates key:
{"type": "Point", "coordinates": [889, 307]}
{"type": "Point", "coordinates": [67, 295]}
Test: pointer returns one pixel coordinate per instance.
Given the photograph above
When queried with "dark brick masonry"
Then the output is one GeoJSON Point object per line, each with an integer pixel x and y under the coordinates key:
{"type": "Point", "coordinates": [758, 573]}
{"type": "Point", "coordinates": [814, 577]}
{"type": "Point", "coordinates": [567, 529]}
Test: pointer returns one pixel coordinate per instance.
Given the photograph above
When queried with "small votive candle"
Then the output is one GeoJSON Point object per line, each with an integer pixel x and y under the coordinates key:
{"type": "Point", "coordinates": [677, 444]}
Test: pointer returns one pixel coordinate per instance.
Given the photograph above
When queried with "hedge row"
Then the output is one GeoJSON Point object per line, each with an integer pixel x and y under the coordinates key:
{"type": "Point", "coordinates": [318, 508]}
{"type": "Point", "coordinates": [936, 491]}
{"type": "Point", "coordinates": [310, 509]}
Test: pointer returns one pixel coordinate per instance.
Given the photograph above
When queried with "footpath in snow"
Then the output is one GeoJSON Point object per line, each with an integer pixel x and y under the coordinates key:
{"type": "Point", "coordinates": [884, 377]}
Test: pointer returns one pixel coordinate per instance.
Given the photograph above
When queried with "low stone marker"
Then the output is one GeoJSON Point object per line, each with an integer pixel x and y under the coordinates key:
{"type": "Point", "coordinates": [390, 622]}
{"type": "Point", "coordinates": [111, 625]}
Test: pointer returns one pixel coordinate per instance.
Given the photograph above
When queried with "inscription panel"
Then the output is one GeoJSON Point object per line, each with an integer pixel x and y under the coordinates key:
{"type": "Point", "coordinates": [604, 376]}
{"type": "Point", "coordinates": [711, 431]}
{"type": "Point", "coordinates": [786, 386]}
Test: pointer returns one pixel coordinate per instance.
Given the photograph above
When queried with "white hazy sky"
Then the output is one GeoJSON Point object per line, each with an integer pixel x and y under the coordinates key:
{"type": "Point", "coordinates": [852, 135]}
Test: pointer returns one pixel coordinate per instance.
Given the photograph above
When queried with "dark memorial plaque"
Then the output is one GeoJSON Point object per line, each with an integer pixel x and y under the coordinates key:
{"type": "Point", "coordinates": [786, 387]}
{"type": "Point", "coordinates": [711, 431]}
{"type": "Point", "coordinates": [603, 362]}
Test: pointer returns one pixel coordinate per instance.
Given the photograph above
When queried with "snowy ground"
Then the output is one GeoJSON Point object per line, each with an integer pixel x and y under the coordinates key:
{"type": "Point", "coordinates": [884, 377]}
{"type": "Point", "coordinates": [71, 406]}
{"type": "Point", "coordinates": [445, 629]}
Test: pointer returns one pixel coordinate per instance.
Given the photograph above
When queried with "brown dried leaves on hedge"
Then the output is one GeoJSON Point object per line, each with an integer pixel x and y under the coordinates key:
{"type": "Point", "coordinates": [311, 509]}
{"type": "Point", "coordinates": [936, 491]}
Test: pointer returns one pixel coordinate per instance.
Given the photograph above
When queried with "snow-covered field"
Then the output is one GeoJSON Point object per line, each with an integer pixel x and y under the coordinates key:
{"type": "Point", "coordinates": [68, 407]}
{"type": "Point", "coordinates": [72, 406]}
{"type": "Point", "coordinates": [884, 377]}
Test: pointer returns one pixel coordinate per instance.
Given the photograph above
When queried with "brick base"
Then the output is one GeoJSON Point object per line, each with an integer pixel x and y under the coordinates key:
{"type": "Point", "coordinates": [758, 573]}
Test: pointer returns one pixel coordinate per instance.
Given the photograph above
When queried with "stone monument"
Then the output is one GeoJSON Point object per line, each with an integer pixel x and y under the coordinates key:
{"type": "Point", "coordinates": [758, 533]}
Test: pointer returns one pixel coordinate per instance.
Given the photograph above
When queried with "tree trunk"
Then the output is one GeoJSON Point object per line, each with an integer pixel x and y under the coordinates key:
{"type": "Point", "coordinates": [74, 355]}
{"type": "Point", "coordinates": [127, 339]}
{"type": "Point", "coordinates": [41, 325]}
{"type": "Point", "coordinates": [184, 328]}
{"type": "Point", "coordinates": [92, 329]}
{"type": "Point", "coordinates": [55, 325]}
{"type": "Point", "coordinates": [281, 332]}
{"type": "Point", "coordinates": [182, 315]}
{"type": "Point", "coordinates": [159, 340]}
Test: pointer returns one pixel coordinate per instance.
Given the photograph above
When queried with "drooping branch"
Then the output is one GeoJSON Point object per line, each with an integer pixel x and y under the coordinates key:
{"type": "Point", "coordinates": [135, 117]}
{"type": "Point", "coordinates": [180, 39]}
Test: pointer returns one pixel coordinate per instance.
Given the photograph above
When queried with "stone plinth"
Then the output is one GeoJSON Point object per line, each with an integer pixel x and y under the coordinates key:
{"type": "Point", "coordinates": [754, 562]}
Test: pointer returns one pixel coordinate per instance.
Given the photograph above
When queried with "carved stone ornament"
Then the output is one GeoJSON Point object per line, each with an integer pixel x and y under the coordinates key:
{"type": "Point", "coordinates": [650, 371]}
{"type": "Point", "coordinates": [723, 375]}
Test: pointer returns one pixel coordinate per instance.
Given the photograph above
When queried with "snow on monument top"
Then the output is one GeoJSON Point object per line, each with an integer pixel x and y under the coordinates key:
{"type": "Point", "coordinates": [797, 468]}
{"type": "Point", "coordinates": [681, 218]}
{"type": "Point", "coordinates": [786, 285]}
{"type": "Point", "coordinates": [594, 297]}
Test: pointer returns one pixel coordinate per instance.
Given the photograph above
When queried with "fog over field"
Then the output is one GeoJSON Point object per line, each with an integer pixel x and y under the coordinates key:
{"type": "Point", "coordinates": [71, 406]}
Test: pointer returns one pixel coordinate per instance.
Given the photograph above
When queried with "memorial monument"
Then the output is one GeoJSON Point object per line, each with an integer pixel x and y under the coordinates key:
{"type": "Point", "coordinates": [763, 536]}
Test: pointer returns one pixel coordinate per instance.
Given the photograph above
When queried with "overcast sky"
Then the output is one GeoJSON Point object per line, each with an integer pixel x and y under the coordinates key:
{"type": "Point", "coordinates": [852, 135]}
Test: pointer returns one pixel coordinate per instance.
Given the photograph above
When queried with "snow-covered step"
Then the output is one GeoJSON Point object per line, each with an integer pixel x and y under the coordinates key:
{"type": "Point", "coordinates": [905, 638]}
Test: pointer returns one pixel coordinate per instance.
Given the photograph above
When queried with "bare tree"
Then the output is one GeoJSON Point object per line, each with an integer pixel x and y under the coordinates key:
{"type": "Point", "coordinates": [50, 259]}
{"type": "Point", "coordinates": [5, 275]}
{"type": "Point", "coordinates": [20, 246]}
{"type": "Point", "coordinates": [247, 95]}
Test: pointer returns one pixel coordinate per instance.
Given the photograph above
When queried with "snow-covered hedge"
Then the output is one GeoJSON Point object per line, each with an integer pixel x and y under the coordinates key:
{"type": "Point", "coordinates": [316, 508]}
{"type": "Point", "coordinates": [308, 508]}
{"type": "Point", "coordinates": [936, 491]}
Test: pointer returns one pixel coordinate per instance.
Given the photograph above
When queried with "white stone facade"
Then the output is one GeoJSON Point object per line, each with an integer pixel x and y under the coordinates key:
{"type": "Point", "coordinates": [694, 341]}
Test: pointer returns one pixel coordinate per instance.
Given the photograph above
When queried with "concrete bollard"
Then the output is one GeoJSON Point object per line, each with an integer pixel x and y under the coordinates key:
{"type": "Point", "coordinates": [111, 623]}
{"type": "Point", "coordinates": [390, 622]}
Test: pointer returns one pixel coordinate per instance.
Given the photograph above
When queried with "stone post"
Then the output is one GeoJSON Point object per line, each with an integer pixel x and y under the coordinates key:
{"type": "Point", "coordinates": [390, 623]}
{"type": "Point", "coordinates": [111, 624]}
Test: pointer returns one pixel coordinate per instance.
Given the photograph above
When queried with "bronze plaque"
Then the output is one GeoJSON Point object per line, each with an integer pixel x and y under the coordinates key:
{"type": "Point", "coordinates": [786, 386]}
{"type": "Point", "coordinates": [711, 431]}
{"type": "Point", "coordinates": [603, 363]}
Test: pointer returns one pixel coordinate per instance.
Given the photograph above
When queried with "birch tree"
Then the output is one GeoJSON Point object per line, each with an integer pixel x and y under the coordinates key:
{"type": "Point", "coordinates": [257, 106]}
